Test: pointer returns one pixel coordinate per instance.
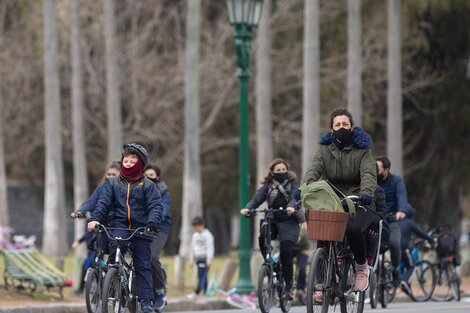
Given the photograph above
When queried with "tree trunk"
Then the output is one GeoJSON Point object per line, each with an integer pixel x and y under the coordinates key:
{"type": "Point", "coordinates": [113, 95]}
{"type": "Point", "coordinates": [55, 236]}
{"type": "Point", "coordinates": [192, 195]}
{"type": "Point", "coordinates": [4, 215]}
{"type": "Point", "coordinates": [311, 106]}
{"type": "Point", "coordinates": [354, 83]}
{"type": "Point", "coordinates": [394, 97]}
{"type": "Point", "coordinates": [80, 180]}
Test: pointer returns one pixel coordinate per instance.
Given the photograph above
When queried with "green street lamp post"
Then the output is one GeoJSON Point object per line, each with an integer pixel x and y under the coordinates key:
{"type": "Point", "coordinates": [244, 15]}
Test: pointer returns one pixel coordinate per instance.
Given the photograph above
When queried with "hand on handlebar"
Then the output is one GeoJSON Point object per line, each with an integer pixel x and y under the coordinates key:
{"type": "Point", "coordinates": [245, 212]}
{"type": "Point", "coordinates": [290, 210]}
{"type": "Point", "coordinates": [92, 225]}
{"type": "Point", "coordinates": [400, 216]}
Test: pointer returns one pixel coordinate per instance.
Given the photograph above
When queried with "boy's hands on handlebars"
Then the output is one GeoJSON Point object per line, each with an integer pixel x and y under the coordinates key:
{"type": "Point", "coordinates": [151, 228]}
{"type": "Point", "coordinates": [92, 225]}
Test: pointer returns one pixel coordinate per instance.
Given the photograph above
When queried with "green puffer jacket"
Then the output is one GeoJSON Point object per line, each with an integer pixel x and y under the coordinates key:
{"type": "Point", "coordinates": [352, 170]}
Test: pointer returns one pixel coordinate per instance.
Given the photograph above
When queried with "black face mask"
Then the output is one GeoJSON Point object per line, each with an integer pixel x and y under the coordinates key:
{"type": "Point", "coordinates": [153, 179]}
{"type": "Point", "coordinates": [280, 177]}
{"type": "Point", "coordinates": [380, 177]}
{"type": "Point", "coordinates": [343, 135]}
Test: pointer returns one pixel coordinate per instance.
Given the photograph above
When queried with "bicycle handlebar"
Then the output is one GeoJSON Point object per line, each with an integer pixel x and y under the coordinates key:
{"type": "Point", "coordinates": [258, 210]}
{"type": "Point", "coordinates": [80, 215]}
{"type": "Point", "coordinates": [141, 230]}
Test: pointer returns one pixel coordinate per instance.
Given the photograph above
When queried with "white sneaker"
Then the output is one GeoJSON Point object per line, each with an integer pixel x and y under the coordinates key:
{"type": "Point", "coordinates": [192, 296]}
{"type": "Point", "coordinates": [362, 278]}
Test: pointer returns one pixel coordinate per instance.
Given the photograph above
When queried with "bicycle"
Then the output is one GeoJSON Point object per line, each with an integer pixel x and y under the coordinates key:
{"type": "Point", "coordinates": [423, 279]}
{"type": "Point", "coordinates": [381, 286]}
{"type": "Point", "coordinates": [332, 271]}
{"type": "Point", "coordinates": [119, 288]}
{"type": "Point", "coordinates": [448, 280]}
{"type": "Point", "coordinates": [232, 297]}
{"type": "Point", "coordinates": [95, 274]}
{"type": "Point", "coordinates": [270, 277]}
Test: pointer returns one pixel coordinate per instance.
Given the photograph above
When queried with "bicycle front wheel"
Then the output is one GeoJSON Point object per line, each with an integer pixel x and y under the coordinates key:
{"type": "Point", "coordinates": [352, 301]}
{"type": "Point", "coordinates": [423, 281]}
{"type": "Point", "coordinates": [374, 287]}
{"type": "Point", "coordinates": [265, 288]}
{"type": "Point", "coordinates": [318, 293]}
{"type": "Point", "coordinates": [113, 301]}
{"type": "Point", "coordinates": [92, 290]}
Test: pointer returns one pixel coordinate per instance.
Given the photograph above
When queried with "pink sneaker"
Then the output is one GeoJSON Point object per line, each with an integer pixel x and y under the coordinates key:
{"type": "Point", "coordinates": [362, 277]}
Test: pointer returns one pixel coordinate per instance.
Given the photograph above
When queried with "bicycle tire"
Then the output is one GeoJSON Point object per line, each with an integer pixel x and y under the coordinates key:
{"type": "Point", "coordinates": [112, 298]}
{"type": "Point", "coordinates": [317, 277]}
{"type": "Point", "coordinates": [93, 291]}
{"type": "Point", "coordinates": [284, 304]}
{"type": "Point", "coordinates": [387, 290]}
{"type": "Point", "coordinates": [374, 287]}
{"type": "Point", "coordinates": [445, 289]}
{"type": "Point", "coordinates": [423, 281]}
{"type": "Point", "coordinates": [265, 290]}
{"type": "Point", "coordinates": [353, 301]}
{"type": "Point", "coordinates": [455, 283]}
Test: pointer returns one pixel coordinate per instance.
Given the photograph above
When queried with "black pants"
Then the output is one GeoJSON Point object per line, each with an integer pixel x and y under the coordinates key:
{"type": "Point", "coordinates": [202, 276]}
{"type": "Point", "coordinates": [355, 232]}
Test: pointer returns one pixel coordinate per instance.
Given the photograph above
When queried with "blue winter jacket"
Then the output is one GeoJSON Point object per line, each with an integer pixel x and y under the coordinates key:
{"type": "Point", "coordinates": [395, 194]}
{"type": "Point", "coordinates": [133, 204]}
{"type": "Point", "coordinates": [166, 199]}
{"type": "Point", "coordinates": [408, 227]}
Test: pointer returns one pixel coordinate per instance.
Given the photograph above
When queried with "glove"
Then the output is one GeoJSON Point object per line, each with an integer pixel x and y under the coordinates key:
{"type": "Point", "coordinates": [151, 228]}
{"type": "Point", "coordinates": [365, 199]}
{"type": "Point", "coordinates": [297, 195]}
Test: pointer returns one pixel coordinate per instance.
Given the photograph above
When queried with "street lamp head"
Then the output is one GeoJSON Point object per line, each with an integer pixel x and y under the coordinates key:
{"type": "Point", "coordinates": [246, 12]}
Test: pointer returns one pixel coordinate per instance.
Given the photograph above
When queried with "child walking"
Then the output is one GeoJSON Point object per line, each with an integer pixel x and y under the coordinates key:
{"type": "Point", "coordinates": [201, 254]}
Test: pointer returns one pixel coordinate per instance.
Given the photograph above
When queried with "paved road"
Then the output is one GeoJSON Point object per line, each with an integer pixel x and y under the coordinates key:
{"type": "Point", "coordinates": [405, 307]}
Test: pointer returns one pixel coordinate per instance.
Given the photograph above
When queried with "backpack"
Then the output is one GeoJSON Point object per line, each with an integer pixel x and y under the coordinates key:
{"type": "Point", "coordinates": [322, 196]}
{"type": "Point", "coordinates": [446, 243]}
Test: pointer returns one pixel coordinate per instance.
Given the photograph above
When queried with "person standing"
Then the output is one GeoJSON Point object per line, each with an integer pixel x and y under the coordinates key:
{"type": "Point", "coordinates": [201, 254]}
{"type": "Point", "coordinates": [397, 209]}
{"type": "Point", "coordinates": [345, 160]}
{"type": "Point", "coordinates": [153, 173]}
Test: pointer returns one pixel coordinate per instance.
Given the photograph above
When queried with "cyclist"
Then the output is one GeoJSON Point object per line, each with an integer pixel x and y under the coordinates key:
{"type": "Point", "coordinates": [345, 159]}
{"type": "Point", "coordinates": [278, 190]}
{"type": "Point", "coordinates": [135, 202]}
{"type": "Point", "coordinates": [397, 209]}
{"type": "Point", "coordinates": [112, 170]}
{"type": "Point", "coordinates": [153, 173]}
{"type": "Point", "coordinates": [408, 227]}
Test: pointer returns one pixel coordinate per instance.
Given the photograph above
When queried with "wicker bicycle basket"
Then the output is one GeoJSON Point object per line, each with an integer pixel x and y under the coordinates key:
{"type": "Point", "coordinates": [326, 225]}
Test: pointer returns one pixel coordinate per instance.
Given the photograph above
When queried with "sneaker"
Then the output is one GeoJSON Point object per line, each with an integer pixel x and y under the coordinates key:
{"type": "Point", "coordinates": [405, 287]}
{"type": "Point", "coordinates": [146, 306]}
{"type": "Point", "coordinates": [160, 302]}
{"type": "Point", "coordinates": [287, 295]}
{"type": "Point", "coordinates": [362, 278]}
{"type": "Point", "coordinates": [395, 278]}
{"type": "Point", "coordinates": [192, 296]}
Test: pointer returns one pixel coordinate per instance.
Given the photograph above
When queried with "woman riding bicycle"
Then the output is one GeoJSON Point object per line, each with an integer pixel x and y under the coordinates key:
{"type": "Point", "coordinates": [345, 159]}
{"type": "Point", "coordinates": [277, 189]}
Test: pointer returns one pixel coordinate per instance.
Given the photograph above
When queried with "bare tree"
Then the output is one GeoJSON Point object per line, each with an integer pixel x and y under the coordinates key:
{"type": "Point", "coordinates": [80, 180]}
{"type": "Point", "coordinates": [4, 215]}
{"type": "Point", "coordinates": [113, 94]}
{"type": "Point", "coordinates": [354, 82]}
{"type": "Point", "coordinates": [54, 237]}
{"type": "Point", "coordinates": [192, 195]}
{"type": "Point", "coordinates": [394, 96]}
{"type": "Point", "coordinates": [311, 106]}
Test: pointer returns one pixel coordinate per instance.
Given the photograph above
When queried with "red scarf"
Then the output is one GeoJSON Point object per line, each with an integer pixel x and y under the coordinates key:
{"type": "Point", "coordinates": [132, 173]}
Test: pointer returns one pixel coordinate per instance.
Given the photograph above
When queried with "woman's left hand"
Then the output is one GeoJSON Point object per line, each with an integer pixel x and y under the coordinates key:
{"type": "Point", "coordinates": [290, 210]}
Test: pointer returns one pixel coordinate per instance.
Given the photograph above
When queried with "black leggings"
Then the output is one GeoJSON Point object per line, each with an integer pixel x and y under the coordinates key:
{"type": "Point", "coordinates": [355, 232]}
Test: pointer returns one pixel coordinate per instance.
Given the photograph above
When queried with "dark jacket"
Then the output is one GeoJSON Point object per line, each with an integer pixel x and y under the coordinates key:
{"type": "Point", "coordinates": [395, 194]}
{"type": "Point", "coordinates": [408, 227]}
{"type": "Point", "coordinates": [166, 199]}
{"type": "Point", "coordinates": [134, 204]}
{"type": "Point", "coordinates": [352, 170]}
{"type": "Point", "coordinates": [380, 204]}
{"type": "Point", "coordinates": [265, 192]}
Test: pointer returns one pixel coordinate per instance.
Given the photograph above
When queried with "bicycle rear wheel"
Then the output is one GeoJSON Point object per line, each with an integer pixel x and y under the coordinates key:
{"type": "Point", "coordinates": [387, 291]}
{"type": "Point", "coordinates": [448, 284]}
{"type": "Point", "coordinates": [113, 301]}
{"type": "Point", "coordinates": [265, 289]}
{"type": "Point", "coordinates": [423, 281]}
{"type": "Point", "coordinates": [318, 294]}
{"type": "Point", "coordinates": [93, 290]}
{"type": "Point", "coordinates": [374, 278]}
{"type": "Point", "coordinates": [353, 301]}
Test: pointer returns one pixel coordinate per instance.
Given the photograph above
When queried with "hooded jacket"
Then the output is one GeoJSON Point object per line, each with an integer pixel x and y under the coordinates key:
{"type": "Point", "coordinates": [134, 204]}
{"type": "Point", "coordinates": [352, 170]}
